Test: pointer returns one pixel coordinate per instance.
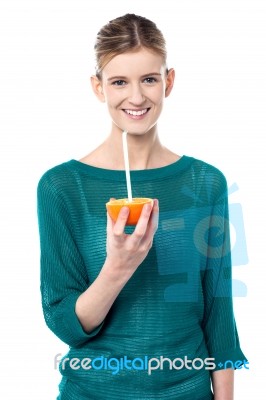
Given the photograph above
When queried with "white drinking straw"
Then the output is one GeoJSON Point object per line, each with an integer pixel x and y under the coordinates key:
{"type": "Point", "coordinates": [125, 151]}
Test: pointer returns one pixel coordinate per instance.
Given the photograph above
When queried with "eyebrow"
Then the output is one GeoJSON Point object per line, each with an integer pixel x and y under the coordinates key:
{"type": "Point", "coordinates": [143, 76]}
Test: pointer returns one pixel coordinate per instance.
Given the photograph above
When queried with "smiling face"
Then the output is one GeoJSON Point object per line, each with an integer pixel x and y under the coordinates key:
{"type": "Point", "coordinates": [134, 85]}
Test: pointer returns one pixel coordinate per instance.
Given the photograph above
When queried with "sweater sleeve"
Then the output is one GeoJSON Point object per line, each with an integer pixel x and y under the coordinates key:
{"type": "Point", "coordinates": [219, 324]}
{"type": "Point", "coordinates": [63, 273]}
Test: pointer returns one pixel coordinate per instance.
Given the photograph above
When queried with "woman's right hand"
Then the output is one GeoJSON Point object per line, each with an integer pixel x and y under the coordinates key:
{"type": "Point", "coordinates": [125, 252]}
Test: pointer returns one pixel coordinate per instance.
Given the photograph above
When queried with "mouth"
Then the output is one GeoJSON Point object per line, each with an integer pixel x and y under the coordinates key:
{"type": "Point", "coordinates": [136, 114]}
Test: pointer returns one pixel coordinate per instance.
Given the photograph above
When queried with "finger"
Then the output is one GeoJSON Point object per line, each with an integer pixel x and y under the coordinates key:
{"type": "Point", "coordinates": [141, 226]}
{"type": "Point", "coordinates": [110, 222]}
{"type": "Point", "coordinates": [155, 215]}
{"type": "Point", "coordinates": [153, 222]}
{"type": "Point", "coordinates": [119, 226]}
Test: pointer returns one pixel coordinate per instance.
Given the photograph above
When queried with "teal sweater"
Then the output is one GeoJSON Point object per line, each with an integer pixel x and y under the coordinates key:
{"type": "Point", "coordinates": [176, 306]}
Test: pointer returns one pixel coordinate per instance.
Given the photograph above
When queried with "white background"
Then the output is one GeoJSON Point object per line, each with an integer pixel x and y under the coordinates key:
{"type": "Point", "coordinates": [50, 115]}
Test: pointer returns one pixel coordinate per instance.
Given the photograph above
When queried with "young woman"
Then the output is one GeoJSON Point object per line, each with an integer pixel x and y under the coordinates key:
{"type": "Point", "coordinates": [146, 310]}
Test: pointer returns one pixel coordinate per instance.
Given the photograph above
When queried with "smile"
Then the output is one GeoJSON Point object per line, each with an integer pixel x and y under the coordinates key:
{"type": "Point", "coordinates": [136, 112]}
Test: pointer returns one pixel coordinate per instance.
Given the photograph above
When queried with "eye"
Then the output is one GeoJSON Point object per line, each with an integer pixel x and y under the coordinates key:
{"type": "Point", "coordinates": [120, 82]}
{"type": "Point", "coordinates": [150, 80]}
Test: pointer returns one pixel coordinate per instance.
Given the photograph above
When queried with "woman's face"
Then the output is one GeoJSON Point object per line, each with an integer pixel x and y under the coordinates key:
{"type": "Point", "coordinates": [134, 86]}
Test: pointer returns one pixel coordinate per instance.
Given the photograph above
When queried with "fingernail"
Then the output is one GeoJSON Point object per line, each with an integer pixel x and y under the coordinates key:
{"type": "Point", "coordinates": [124, 210]}
{"type": "Point", "coordinates": [147, 207]}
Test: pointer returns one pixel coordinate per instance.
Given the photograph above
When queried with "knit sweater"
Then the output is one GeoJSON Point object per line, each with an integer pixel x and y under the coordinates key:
{"type": "Point", "coordinates": [172, 324]}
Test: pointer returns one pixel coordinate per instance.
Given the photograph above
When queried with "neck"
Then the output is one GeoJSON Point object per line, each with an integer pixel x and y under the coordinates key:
{"type": "Point", "coordinates": [145, 152]}
{"type": "Point", "coordinates": [143, 149]}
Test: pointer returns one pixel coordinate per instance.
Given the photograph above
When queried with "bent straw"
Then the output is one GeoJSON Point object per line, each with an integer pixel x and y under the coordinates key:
{"type": "Point", "coordinates": [126, 160]}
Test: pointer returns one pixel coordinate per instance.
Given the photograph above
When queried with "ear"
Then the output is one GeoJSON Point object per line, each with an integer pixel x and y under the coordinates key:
{"type": "Point", "coordinates": [97, 88]}
{"type": "Point", "coordinates": [170, 78]}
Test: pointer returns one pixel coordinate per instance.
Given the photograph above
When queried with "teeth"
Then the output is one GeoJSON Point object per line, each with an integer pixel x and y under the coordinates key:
{"type": "Point", "coordinates": [131, 112]}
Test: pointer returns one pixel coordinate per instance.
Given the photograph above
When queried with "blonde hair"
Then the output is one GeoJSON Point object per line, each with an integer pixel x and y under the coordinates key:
{"type": "Point", "coordinates": [127, 33]}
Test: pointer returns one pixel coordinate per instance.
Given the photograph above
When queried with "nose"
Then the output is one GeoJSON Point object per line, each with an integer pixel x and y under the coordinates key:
{"type": "Point", "coordinates": [136, 95]}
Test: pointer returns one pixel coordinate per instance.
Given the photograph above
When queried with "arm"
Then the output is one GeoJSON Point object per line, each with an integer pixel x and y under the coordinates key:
{"type": "Point", "coordinates": [223, 384]}
{"type": "Point", "coordinates": [124, 254]}
{"type": "Point", "coordinates": [63, 274]}
{"type": "Point", "coordinates": [74, 308]}
{"type": "Point", "coordinates": [93, 304]}
{"type": "Point", "coordinates": [218, 324]}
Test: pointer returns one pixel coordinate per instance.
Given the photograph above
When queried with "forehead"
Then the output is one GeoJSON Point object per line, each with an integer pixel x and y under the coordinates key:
{"type": "Point", "coordinates": [138, 62]}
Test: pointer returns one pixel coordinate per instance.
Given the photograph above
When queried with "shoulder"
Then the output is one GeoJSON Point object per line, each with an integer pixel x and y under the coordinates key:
{"type": "Point", "coordinates": [56, 178]}
{"type": "Point", "coordinates": [209, 177]}
{"type": "Point", "coordinates": [203, 168]}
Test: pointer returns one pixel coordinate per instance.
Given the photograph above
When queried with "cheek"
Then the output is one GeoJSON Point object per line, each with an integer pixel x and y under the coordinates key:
{"type": "Point", "coordinates": [158, 100]}
{"type": "Point", "coordinates": [112, 97]}
{"type": "Point", "coordinates": [157, 96]}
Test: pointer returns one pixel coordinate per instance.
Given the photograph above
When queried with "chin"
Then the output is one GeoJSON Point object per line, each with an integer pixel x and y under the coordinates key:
{"type": "Point", "coordinates": [137, 134]}
{"type": "Point", "coordinates": [140, 131]}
